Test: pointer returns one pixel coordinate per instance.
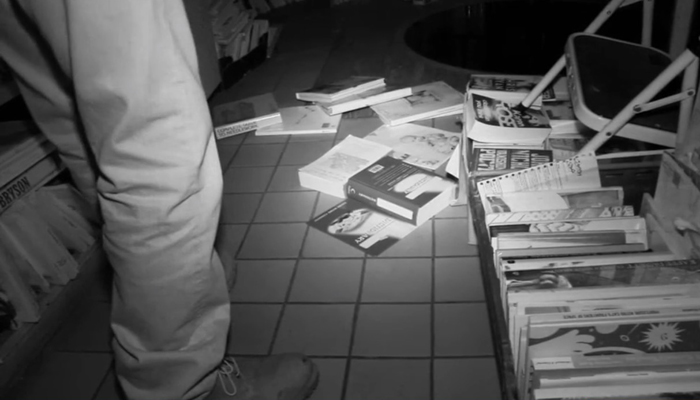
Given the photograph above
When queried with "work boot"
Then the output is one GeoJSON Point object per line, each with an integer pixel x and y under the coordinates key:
{"type": "Point", "coordinates": [276, 377]}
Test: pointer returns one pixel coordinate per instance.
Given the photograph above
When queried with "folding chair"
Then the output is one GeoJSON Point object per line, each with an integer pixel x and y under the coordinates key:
{"type": "Point", "coordinates": [613, 84]}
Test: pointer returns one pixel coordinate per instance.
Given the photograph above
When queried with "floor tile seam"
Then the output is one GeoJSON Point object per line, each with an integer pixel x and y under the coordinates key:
{"type": "Point", "coordinates": [244, 144]}
{"type": "Point", "coordinates": [103, 381]}
{"type": "Point", "coordinates": [267, 186]}
{"type": "Point", "coordinates": [432, 321]}
{"type": "Point", "coordinates": [291, 283]}
{"type": "Point", "coordinates": [364, 303]}
{"type": "Point", "coordinates": [280, 318]}
{"type": "Point", "coordinates": [335, 258]}
{"type": "Point", "coordinates": [226, 167]}
{"type": "Point", "coordinates": [353, 329]}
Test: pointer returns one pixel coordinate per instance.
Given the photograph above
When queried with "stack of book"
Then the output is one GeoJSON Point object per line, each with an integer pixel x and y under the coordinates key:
{"type": "Point", "coordinates": [385, 197]}
{"type": "Point", "coordinates": [44, 230]}
{"type": "Point", "coordinates": [599, 301]}
{"type": "Point", "coordinates": [392, 178]}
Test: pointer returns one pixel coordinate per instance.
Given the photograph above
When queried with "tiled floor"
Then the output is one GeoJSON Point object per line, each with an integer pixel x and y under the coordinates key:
{"type": "Point", "coordinates": [410, 324]}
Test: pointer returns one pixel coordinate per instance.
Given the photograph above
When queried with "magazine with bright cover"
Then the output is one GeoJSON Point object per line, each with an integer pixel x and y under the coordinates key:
{"type": "Point", "coordinates": [431, 100]}
{"type": "Point", "coordinates": [583, 261]}
{"type": "Point", "coordinates": [553, 200]}
{"type": "Point", "coordinates": [367, 98]}
{"type": "Point", "coordinates": [418, 145]}
{"type": "Point", "coordinates": [495, 121]}
{"type": "Point", "coordinates": [333, 91]}
{"type": "Point", "coordinates": [245, 115]}
{"type": "Point", "coordinates": [500, 161]}
{"type": "Point", "coordinates": [302, 120]}
{"type": "Point", "coordinates": [621, 333]}
{"type": "Point", "coordinates": [362, 227]}
{"type": "Point", "coordinates": [510, 88]}
{"type": "Point", "coordinates": [329, 173]}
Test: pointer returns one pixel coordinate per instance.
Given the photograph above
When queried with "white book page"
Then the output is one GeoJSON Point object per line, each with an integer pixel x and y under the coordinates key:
{"type": "Point", "coordinates": [346, 159]}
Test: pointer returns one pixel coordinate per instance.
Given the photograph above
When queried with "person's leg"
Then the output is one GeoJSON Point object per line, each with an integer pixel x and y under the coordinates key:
{"type": "Point", "coordinates": [128, 69]}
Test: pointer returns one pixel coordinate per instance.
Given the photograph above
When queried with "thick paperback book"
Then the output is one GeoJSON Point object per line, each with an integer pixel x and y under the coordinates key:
{"type": "Point", "coordinates": [510, 88]}
{"type": "Point", "coordinates": [499, 161]}
{"type": "Point", "coordinates": [362, 227]}
{"type": "Point", "coordinates": [331, 171]}
{"type": "Point", "coordinates": [401, 190]}
{"type": "Point", "coordinates": [333, 91]}
{"type": "Point", "coordinates": [245, 115]}
{"type": "Point", "coordinates": [302, 120]}
{"type": "Point", "coordinates": [496, 121]}
{"type": "Point", "coordinates": [419, 145]}
{"type": "Point", "coordinates": [431, 100]}
{"type": "Point", "coordinates": [367, 98]}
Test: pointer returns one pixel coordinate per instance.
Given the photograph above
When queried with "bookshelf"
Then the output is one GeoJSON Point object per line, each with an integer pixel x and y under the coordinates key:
{"type": "Point", "coordinates": [20, 347]}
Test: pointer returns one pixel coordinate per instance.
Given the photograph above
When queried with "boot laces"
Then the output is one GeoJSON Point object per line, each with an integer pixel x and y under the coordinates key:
{"type": "Point", "coordinates": [228, 370]}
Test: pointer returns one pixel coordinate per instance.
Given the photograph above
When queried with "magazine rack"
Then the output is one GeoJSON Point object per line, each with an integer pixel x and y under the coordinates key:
{"type": "Point", "coordinates": [624, 88]}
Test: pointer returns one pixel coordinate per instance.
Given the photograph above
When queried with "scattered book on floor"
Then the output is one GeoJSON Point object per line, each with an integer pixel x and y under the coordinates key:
{"type": "Point", "coordinates": [245, 115]}
{"type": "Point", "coordinates": [302, 120]}
{"type": "Point", "coordinates": [495, 121]}
{"type": "Point", "coordinates": [329, 173]}
{"type": "Point", "coordinates": [362, 227]}
{"type": "Point", "coordinates": [508, 88]}
{"type": "Point", "coordinates": [333, 91]}
{"type": "Point", "coordinates": [499, 161]}
{"type": "Point", "coordinates": [367, 98]}
{"type": "Point", "coordinates": [430, 100]}
{"type": "Point", "coordinates": [401, 190]}
{"type": "Point", "coordinates": [419, 145]}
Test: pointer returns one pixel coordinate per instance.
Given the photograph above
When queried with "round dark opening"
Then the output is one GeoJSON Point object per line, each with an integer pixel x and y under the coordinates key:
{"type": "Point", "coordinates": [523, 36]}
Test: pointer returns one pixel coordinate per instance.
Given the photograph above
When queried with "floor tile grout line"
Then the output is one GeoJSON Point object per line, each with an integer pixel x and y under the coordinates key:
{"type": "Point", "coordinates": [288, 294]}
{"type": "Point", "coordinates": [249, 227]}
{"type": "Point", "coordinates": [103, 381]}
{"type": "Point", "coordinates": [431, 371]}
{"type": "Point", "coordinates": [379, 358]}
{"type": "Point", "coordinates": [367, 303]}
{"type": "Point", "coordinates": [353, 329]}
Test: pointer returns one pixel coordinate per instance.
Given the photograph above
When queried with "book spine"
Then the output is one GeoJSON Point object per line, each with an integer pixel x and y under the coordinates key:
{"type": "Point", "coordinates": [391, 205]}
{"type": "Point", "coordinates": [34, 177]}
{"type": "Point", "coordinates": [237, 128]}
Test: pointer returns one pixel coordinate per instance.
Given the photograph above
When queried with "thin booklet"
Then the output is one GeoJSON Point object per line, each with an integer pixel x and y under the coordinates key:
{"type": "Point", "coordinates": [574, 173]}
{"type": "Point", "coordinates": [362, 226]}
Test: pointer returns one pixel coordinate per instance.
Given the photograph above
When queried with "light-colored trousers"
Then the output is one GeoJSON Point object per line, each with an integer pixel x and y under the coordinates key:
{"type": "Point", "coordinates": [115, 86]}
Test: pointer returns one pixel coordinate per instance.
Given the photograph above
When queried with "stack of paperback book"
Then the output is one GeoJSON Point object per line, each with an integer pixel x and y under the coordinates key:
{"type": "Point", "coordinates": [385, 198]}
{"type": "Point", "coordinates": [600, 302]}
{"type": "Point", "coordinates": [392, 178]}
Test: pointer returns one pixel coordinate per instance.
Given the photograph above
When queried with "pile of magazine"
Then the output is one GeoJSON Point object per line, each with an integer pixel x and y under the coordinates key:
{"type": "Point", "coordinates": [600, 301]}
